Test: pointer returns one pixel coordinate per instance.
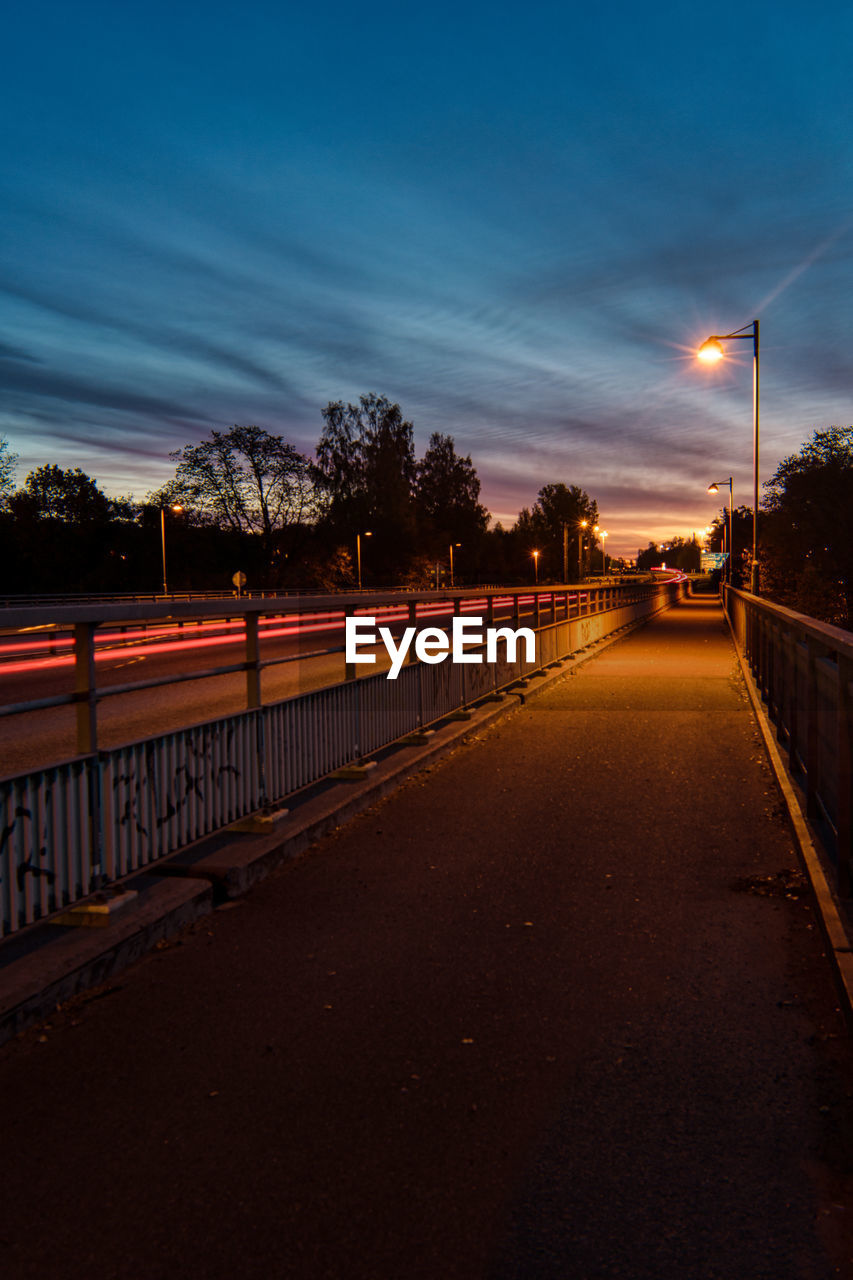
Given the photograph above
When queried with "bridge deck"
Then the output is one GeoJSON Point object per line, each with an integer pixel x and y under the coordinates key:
{"type": "Point", "coordinates": [558, 1008]}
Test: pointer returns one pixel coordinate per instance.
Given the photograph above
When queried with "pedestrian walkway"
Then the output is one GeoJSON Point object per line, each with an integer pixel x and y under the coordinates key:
{"type": "Point", "coordinates": [558, 1008]}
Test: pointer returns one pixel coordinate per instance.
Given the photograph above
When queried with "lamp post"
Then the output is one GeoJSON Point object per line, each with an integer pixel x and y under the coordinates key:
{"type": "Point", "coordinates": [174, 507]}
{"type": "Point", "coordinates": [367, 534]}
{"type": "Point", "coordinates": [535, 555]}
{"type": "Point", "coordinates": [715, 488]}
{"type": "Point", "coordinates": [583, 524]}
{"type": "Point", "coordinates": [710, 352]}
{"type": "Point", "coordinates": [603, 534]}
{"type": "Point", "coordinates": [452, 545]}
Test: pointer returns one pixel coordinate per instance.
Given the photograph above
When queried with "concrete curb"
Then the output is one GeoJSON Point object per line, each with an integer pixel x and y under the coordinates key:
{"type": "Point", "coordinates": [829, 910]}
{"type": "Point", "coordinates": [49, 963]}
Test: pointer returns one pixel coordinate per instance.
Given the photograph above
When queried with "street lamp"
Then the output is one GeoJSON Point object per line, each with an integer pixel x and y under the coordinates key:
{"type": "Point", "coordinates": [452, 545]}
{"type": "Point", "coordinates": [603, 534]}
{"type": "Point", "coordinates": [535, 555]}
{"type": "Point", "coordinates": [710, 352]}
{"type": "Point", "coordinates": [173, 507]}
{"type": "Point", "coordinates": [583, 524]}
{"type": "Point", "coordinates": [594, 531]}
{"type": "Point", "coordinates": [358, 536]}
{"type": "Point", "coordinates": [715, 488]}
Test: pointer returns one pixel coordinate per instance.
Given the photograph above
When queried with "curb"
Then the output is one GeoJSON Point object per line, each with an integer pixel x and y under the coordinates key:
{"type": "Point", "coordinates": [50, 963]}
{"type": "Point", "coordinates": [829, 912]}
{"type": "Point", "coordinates": [47, 964]}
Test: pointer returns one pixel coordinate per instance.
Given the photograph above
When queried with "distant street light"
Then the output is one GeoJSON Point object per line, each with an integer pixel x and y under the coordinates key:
{"type": "Point", "coordinates": [173, 507]}
{"type": "Point", "coordinates": [715, 488]}
{"type": "Point", "coordinates": [358, 536]}
{"type": "Point", "coordinates": [452, 545]}
{"type": "Point", "coordinates": [535, 555]}
{"type": "Point", "coordinates": [710, 352]}
{"type": "Point", "coordinates": [583, 524]}
{"type": "Point", "coordinates": [603, 534]}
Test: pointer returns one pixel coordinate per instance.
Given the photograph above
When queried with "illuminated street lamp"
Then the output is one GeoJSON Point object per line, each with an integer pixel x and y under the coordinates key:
{"type": "Point", "coordinates": [710, 352]}
{"type": "Point", "coordinates": [715, 488]}
{"type": "Point", "coordinates": [594, 531]}
{"type": "Point", "coordinates": [535, 555]}
{"type": "Point", "coordinates": [358, 537]}
{"type": "Point", "coordinates": [603, 534]}
{"type": "Point", "coordinates": [583, 524]}
{"type": "Point", "coordinates": [452, 545]}
{"type": "Point", "coordinates": [174, 507]}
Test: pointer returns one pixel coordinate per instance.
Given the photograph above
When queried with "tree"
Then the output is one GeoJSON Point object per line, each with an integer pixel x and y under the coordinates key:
{"type": "Point", "coordinates": [741, 549]}
{"type": "Point", "coordinates": [366, 466]}
{"type": "Point", "coordinates": [807, 533]}
{"type": "Point", "coordinates": [246, 480]}
{"type": "Point", "coordinates": [558, 506]}
{"type": "Point", "coordinates": [70, 496]}
{"type": "Point", "coordinates": [682, 553]}
{"type": "Point", "coordinates": [447, 493]}
{"type": "Point", "coordinates": [8, 461]}
{"type": "Point", "coordinates": [64, 534]}
{"type": "Point", "coordinates": [677, 553]}
{"type": "Point", "coordinates": [649, 557]}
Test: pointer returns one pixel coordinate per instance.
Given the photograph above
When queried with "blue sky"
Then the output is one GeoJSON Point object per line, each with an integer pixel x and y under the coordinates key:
{"type": "Point", "coordinates": [517, 220]}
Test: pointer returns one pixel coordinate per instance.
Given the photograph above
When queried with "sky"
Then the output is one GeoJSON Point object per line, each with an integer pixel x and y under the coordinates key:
{"type": "Point", "coordinates": [518, 221]}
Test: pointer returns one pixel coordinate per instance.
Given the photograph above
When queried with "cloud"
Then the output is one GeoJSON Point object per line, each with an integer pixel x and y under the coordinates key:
{"type": "Point", "coordinates": [8, 352]}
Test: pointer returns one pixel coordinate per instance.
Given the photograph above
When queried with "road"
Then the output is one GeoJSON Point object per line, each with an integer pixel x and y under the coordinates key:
{"type": "Point", "coordinates": [29, 670]}
{"type": "Point", "coordinates": [556, 1010]}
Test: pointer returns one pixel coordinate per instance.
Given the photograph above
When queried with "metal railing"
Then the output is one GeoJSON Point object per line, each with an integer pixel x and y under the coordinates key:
{"type": "Point", "coordinates": [803, 670]}
{"type": "Point", "coordinates": [69, 829]}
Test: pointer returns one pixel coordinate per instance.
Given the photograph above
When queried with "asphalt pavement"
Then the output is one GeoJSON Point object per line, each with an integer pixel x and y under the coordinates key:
{"type": "Point", "coordinates": [559, 1007]}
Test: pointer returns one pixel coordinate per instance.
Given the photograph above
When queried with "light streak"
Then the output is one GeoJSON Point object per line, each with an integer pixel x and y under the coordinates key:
{"type": "Point", "coordinates": [115, 644]}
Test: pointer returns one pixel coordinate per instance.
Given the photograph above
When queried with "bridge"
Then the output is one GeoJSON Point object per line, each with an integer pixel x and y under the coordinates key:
{"type": "Point", "coordinates": [568, 1001]}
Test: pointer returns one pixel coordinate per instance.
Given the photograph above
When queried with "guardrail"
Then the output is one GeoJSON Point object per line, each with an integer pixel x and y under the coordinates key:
{"type": "Point", "coordinates": [70, 829]}
{"type": "Point", "coordinates": [803, 670]}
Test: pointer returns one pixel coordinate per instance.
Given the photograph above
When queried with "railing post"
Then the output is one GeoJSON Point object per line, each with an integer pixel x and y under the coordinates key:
{"type": "Point", "coordinates": [261, 749]}
{"type": "Point", "coordinates": [413, 622]}
{"type": "Point", "coordinates": [844, 818]}
{"type": "Point", "coordinates": [783, 681]}
{"type": "Point", "coordinates": [84, 688]}
{"type": "Point", "coordinates": [420, 694]}
{"type": "Point", "coordinates": [87, 745]}
{"type": "Point", "coordinates": [812, 740]}
{"type": "Point", "coordinates": [357, 745]}
{"type": "Point", "coordinates": [349, 667]}
{"type": "Point", "coordinates": [794, 715]}
{"type": "Point", "coordinates": [253, 673]}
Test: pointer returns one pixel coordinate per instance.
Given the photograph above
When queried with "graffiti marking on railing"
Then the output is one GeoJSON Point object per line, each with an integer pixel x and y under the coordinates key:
{"type": "Point", "coordinates": [27, 867]}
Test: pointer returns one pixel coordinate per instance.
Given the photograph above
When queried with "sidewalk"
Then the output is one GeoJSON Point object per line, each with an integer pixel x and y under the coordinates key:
{"type": "Point", "coordinates": [558, 1007]}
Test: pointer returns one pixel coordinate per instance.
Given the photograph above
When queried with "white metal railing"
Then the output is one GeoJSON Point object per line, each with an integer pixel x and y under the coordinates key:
{"type": "Point", "coordinates": [803, 670]}
{"type": "Point", "coordinates": [67, 830]}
